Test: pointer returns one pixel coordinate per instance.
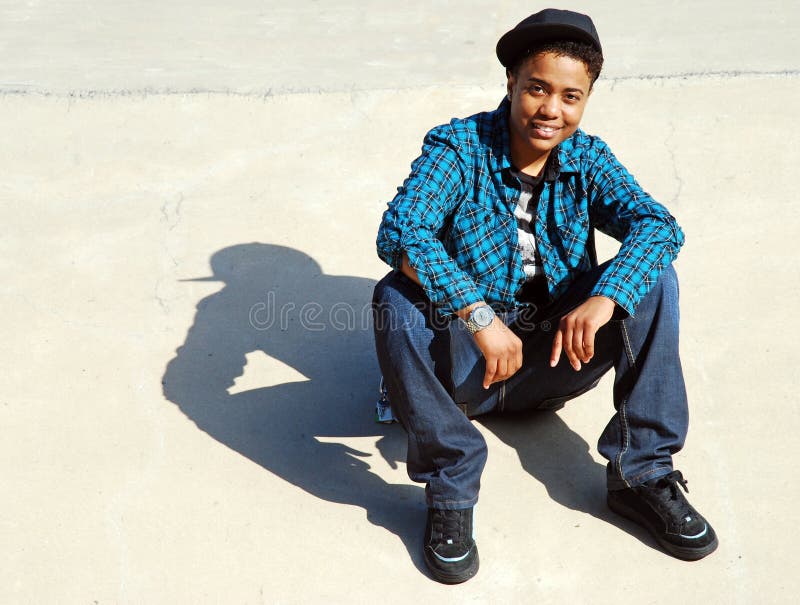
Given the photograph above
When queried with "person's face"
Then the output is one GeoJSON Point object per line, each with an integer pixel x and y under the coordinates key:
{"type": "Point", "coordinates": [548, 96]}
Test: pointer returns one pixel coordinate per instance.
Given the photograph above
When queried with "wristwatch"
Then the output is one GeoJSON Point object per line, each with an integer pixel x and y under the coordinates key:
{"type": "Point", "coordinates": [480, 318]}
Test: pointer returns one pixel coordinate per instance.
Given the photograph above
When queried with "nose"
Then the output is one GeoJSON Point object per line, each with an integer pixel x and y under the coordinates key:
{"type": "Point", "coordinates": [550, 107]}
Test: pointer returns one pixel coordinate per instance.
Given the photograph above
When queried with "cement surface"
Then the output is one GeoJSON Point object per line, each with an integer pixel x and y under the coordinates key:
{"type": "Point", "coordinates": [170, 439]}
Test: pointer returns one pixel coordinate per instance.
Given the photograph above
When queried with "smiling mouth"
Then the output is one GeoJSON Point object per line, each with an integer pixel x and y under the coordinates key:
{"type": "Point", "coordinates": [545, 132]}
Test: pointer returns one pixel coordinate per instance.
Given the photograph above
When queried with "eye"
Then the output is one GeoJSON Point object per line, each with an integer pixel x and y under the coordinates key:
{"type": "Point", "coordinates": [572, 98]}
{"type": "Point", "coordinates": [536, 89]}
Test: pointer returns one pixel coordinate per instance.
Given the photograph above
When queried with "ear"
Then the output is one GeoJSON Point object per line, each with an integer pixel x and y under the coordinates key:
{"type": "Point", "coordinates": [509, 84]}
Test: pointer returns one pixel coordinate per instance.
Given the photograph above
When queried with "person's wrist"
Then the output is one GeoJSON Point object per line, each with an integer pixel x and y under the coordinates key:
{"type": "Point", "coordinates": [605, 303]}
{"type": "Point", "coordinates": [464, 312]}
{"type": "Point", "coordinates": [479, 318]}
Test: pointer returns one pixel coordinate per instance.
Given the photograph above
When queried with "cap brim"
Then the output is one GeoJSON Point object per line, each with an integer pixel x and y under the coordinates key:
{"type": "Point", "coordinates": [211, 278]}
{"type": "Point", "coordinates": [516, 42]}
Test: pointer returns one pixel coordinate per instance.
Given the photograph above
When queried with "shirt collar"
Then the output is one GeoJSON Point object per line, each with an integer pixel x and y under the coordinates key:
{"type": "Point", "coordinates": [501, 146]}
{"type": "Point", "coordinates": [568, 154]}
{"type": "Point", "coordinates": [565, 159]}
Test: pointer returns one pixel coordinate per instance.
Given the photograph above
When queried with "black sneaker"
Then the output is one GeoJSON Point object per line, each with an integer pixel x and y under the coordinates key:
{"type": "Point", "coordinates": [449, 546]}
{"type": "Point", "coordinates": [661, 508]}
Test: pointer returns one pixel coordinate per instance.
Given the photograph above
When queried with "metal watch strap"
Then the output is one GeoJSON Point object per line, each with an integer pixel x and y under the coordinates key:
{"type": "Point", "coordinates": [472, 325]}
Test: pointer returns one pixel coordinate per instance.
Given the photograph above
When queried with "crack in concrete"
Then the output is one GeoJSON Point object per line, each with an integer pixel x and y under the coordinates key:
{"type": "Point", "coordinates": [290, 91]}
{"type": "Point", "coordinates": [674, 163]}
{"type": "Point", "coordinates": [706, 75]}
{"type": "Point", "coordinates": [172, 212]}
{"type": "Point", "coordinates": [171, 216]}
{"type": "Point", "coordinates": [162, 302]}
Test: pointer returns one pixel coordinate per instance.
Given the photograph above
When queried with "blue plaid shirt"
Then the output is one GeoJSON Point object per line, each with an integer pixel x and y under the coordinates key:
{"type": "Point", "coordinates": [454, 218]}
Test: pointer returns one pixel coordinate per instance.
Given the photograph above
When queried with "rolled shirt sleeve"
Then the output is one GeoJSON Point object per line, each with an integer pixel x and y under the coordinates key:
{"type": "Point", "coordinates": [418, 214]}
{"type": "Point", "coordinates": [649, 235]}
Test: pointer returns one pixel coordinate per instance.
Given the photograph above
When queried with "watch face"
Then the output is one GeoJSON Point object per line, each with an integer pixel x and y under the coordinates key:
{"type": "Point", "coordinates": [483, 316]}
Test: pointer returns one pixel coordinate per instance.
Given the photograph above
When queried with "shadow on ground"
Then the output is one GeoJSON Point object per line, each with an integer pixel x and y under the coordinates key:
{"type": "Point", "coordinates": [277, 300]}
{"type": "Point", "coordinates": [559, 459]}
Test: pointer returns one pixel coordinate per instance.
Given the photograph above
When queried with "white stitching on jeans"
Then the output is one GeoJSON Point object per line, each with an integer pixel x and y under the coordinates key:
{"type": "Point", "coordinates": [628, 349]}
{"type": "Point", "coordinates": [638, 478]}
{"type": "Point", "coordinates": [623, 417]}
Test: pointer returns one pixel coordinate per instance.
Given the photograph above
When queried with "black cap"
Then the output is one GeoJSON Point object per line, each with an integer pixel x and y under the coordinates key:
{"type": "Point", "coordinates": [548, 25]}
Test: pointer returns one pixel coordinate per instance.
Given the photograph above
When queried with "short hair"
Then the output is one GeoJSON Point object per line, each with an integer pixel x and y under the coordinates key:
{"type": "Point", "coordinates": [580, 51]}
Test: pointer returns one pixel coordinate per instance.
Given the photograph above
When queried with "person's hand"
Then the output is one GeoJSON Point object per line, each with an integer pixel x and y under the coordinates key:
{"type": "Point", "coordinates": [502, 350]}
{"type": "Point", "coordinates": [576, 330]}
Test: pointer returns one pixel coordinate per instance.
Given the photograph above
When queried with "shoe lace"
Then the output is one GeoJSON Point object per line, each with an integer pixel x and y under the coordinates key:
{"type": "Point", "coordinates": [671, 499]}
{"type": "Point", "coordinates": [674, 479]}
{"type": "Point", "coordinates": [447, 525]}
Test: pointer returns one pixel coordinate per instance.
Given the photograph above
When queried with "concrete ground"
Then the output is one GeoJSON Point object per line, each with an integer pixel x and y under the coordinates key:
{"type": "Point", "coordinates": [190, 197]}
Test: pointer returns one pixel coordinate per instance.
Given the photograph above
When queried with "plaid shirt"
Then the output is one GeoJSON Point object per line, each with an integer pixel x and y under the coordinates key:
{"type": "Point", "coordinates": [454, 218]}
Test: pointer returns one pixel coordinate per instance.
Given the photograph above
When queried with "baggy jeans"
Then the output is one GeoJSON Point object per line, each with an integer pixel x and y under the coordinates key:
{"type": "Point", "coordinates": [433, 372]}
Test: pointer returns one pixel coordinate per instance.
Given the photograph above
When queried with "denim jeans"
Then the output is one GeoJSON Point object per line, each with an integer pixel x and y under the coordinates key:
{"type": "Point", "coordinates": [433, 372]}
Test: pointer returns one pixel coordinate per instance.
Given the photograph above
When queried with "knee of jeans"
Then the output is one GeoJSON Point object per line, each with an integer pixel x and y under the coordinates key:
{"type": "Point", "coordinates": [380, 288]}
{"type": "Point", "coordinates": [663, 295]}
{"type": "Point", "coordinates": [387, 291]}
{"type": "Point", "coordinates": [668, 281]}
{"type": "Point", "coordinates": [393, 310]}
